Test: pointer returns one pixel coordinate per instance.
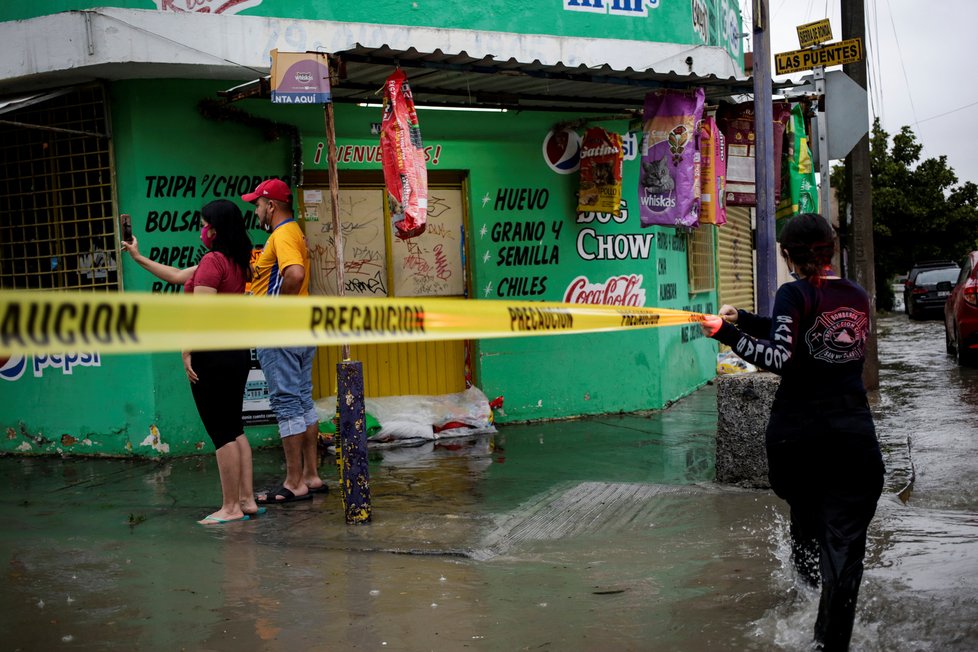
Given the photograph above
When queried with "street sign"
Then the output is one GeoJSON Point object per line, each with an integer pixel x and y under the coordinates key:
{"type": "Point", "coordinates": [845, 101]}
{"type": "Point", "coordinates": [846, 106]}
{"type": "Point", "coordinates": [814, 33]}
{"type": "Point", "coordinates": [833, 54]}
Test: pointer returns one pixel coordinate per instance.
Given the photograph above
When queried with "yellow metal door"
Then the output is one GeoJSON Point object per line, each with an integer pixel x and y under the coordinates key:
{"type": "Point", "coordinates": [735, 259]}
{"type": "Point", "coordinates": [379, 265]}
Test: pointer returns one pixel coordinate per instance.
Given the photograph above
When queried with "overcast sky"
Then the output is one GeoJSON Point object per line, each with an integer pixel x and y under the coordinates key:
{"type": "Point", "coordinates": [920, 56]}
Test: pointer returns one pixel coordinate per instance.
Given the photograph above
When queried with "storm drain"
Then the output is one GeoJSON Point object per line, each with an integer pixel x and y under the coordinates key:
{"type": "Point", "coordinates": [586, 508]}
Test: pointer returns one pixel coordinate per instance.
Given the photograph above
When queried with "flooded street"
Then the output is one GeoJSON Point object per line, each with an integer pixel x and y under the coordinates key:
{"type": "Point", "coordinates": [597, 534]}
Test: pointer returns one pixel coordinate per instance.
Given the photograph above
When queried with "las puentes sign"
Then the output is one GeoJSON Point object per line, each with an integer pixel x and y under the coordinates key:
{"type": "Point", "coordinates": [833, 54]}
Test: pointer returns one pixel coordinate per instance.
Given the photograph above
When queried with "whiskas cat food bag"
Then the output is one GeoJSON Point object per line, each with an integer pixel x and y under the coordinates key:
{"type": "Point", "coordinates": [668, 187]}
{"type": "Point", "coordinates": [402, 156]}
{"type": "Point", "coordinates": [601, 161]}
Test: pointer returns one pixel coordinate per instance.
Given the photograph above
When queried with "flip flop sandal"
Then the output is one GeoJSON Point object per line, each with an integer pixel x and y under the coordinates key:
{"type": "Point", "coordinates": [222, 521]}
{"type": "Point", "coordinates": [272, 497]}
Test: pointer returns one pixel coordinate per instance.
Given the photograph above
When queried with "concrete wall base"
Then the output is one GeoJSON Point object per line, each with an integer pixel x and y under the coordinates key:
{"type": "Point", "coordinates": [743, 406]}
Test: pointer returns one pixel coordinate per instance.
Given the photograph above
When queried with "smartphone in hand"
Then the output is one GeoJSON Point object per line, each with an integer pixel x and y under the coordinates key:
{"type": "Point", "coordinates": [125, 222]}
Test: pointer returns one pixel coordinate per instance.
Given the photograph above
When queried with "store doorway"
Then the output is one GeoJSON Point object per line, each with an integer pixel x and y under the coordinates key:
{"type": "Point", "coordinates": [377, 264]}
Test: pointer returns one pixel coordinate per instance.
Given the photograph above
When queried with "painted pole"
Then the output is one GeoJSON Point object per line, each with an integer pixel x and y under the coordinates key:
{"type": "Point", "coordinates": [767, 270]}
{"type": "Point", "coordinates": [351, 448]}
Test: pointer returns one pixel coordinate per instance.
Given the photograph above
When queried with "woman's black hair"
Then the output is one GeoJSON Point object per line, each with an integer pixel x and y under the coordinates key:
{"type": "Point", "coordinates": [810, 243]}
{"type": "Point", "coordinates": [232, 238]}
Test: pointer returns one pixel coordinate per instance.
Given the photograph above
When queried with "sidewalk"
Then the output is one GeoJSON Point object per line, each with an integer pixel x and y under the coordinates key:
{"type": "Point", "coordinates": [105, 554]}
{"type": "Point", "coordinates": [595, 534]}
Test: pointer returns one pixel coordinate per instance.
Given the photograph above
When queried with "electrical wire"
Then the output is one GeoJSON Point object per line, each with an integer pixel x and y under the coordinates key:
{"type": "Point", "coordinates": [941, 115]}
{"type": "Point", "coordinates": [871, 80]}
{"type": "Point", "coordinates": [913, 109]}
{"type": "Point", "coordinates": [874, 62]}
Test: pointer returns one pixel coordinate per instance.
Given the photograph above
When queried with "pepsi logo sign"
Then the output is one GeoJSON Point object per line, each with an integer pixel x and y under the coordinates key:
{"type": "Point", "coordinates": [562, 151]}
{"type": "Point", "coordinates": [303, 76]}
{"type": "Point", "coordinates": [12, 367]}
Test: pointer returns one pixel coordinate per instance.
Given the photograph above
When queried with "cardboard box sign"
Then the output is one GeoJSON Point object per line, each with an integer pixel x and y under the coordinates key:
{"type": "Point", "coordinates": [601, 162]}
{"type": "Point", "coordinates": [736, 121]}
{"type": "Point", "coordinates": [713, 206]}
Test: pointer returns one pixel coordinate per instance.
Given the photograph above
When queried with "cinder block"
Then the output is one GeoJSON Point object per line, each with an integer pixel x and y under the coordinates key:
{"type": "Point", "coordinates": [743, 407]}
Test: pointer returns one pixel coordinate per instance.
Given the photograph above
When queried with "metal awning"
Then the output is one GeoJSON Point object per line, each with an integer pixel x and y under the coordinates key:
{"type": "Point", "coordinates": [463, 80]}
{"type": "Point", "coordinates": [9, 104]}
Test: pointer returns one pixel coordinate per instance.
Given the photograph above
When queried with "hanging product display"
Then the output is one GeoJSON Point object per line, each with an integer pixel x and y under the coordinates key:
{"type": "Point", "coordinates": [713, 208]}
{"type": "Point", "coordinates": [799, 193]}
{"type": "Point", "coordinates": [601, 163]}
{"type": "Point", "coordinates": [736, 121]}
{"type": "Point", "coordinates": [402, 156]}
{"type": "Point", "coordinates": [668, 190]}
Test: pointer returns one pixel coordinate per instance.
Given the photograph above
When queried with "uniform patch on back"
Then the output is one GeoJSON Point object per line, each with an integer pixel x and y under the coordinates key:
{"type": "Point", "coordinates": [838, 335]}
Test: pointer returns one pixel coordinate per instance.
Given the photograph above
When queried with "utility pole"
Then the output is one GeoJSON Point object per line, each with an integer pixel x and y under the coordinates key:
{"type": "Point", "coordinates": [767, 270]}
{"type": "Point", "coordinates": [861, 264]}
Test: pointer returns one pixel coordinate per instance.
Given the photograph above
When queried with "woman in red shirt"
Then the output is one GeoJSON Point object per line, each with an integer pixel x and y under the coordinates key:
{"type": "Point", "coordinates": [217, 378]}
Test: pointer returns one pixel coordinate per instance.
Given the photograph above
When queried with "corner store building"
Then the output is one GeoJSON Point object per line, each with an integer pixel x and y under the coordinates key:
{"type": "Point", "coordinates": [123, 114]}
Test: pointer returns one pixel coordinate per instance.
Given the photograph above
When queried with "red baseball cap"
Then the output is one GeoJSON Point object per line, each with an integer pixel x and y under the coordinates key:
{"type": "Point", "coordinates": [270, 189]}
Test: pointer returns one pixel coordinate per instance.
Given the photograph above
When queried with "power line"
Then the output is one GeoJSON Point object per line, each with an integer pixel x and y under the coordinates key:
{"type": "Point", "coordinates": [877, 58]}
{"type": "Point", "coordinates": [873, 77]}
{"type": "Point", "coordinates": [913, 109]}
{"type": "Point", "coordinates": [941, 115]}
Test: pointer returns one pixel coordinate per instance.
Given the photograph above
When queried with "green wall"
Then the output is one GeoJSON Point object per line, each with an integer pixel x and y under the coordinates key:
{"type": "Point", "coordinates": [167, 158]}
{"type": "Point", "coordinates": [694, 22]}
{"type": "Point", "coordinates": [78, 403]}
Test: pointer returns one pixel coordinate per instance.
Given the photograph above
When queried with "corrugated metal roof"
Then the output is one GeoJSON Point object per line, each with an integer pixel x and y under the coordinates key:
{"type": "Point", "coordinates": [461, 79]}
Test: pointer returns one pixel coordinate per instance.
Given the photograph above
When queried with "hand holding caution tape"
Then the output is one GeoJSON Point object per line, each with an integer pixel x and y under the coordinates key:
{"type": "Point", "coordinates": [52, 322]}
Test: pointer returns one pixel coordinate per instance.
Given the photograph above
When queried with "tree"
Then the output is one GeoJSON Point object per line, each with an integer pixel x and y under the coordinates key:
{"type": "Point", "coordinates": [920, 211]}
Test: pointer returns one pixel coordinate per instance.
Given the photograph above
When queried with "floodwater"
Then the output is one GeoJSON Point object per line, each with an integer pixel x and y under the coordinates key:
{"type": "Point", "coordinates": [598, 534]}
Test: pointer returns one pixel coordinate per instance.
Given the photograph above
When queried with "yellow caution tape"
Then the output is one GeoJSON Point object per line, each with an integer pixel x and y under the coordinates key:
{"type": "Point", "coordinates": [54, 322]}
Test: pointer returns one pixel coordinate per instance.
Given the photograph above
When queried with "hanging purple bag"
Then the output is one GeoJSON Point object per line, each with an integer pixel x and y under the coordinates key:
{"type": "Point", "coordinates": [667, 182]}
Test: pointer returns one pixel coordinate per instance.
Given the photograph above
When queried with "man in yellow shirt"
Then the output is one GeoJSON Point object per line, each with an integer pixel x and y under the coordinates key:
{"type": "Point", "coordinates": [282, 269]}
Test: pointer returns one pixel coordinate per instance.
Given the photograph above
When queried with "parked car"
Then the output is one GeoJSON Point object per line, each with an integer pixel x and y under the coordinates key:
{"type": "Point", "coordinates": [920, 294]}
{"type": "Point", "coordinates": [961, 313]}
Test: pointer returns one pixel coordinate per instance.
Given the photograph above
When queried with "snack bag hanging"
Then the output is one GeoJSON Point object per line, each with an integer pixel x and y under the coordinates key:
{"type": "Point", "coordinates": [402, 156]}
{"type": "Point", "coordinates": [668, 191]}
{"type": "Point", "coordinates": [799, 193]}
{"type": "Point", "coordinates": [601, 163]}
{"type": "Point", "coordinates": [713, 208]}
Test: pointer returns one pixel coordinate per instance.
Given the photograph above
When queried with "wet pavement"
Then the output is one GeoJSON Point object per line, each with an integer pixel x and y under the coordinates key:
{"type": "Point", "coordinates": [597, 534]}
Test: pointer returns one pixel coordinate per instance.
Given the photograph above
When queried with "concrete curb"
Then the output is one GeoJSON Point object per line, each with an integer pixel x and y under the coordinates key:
{"type": "Point", "coordinates": [743, 408]}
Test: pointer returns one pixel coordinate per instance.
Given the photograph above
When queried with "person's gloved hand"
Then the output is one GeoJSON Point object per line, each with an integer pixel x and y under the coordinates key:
{"type": "Point", "coordinates": [711, 324]}
{"type": "Point", "coordinates": [728, 313]}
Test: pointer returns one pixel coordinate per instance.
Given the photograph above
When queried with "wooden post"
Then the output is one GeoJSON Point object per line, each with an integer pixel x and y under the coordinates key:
{"type": "Point", "coordinates": [334, 195]}
{"type": "Point", "coordinates": [863, 256]}
{"type": "Point", "coordinates": [351, 444]}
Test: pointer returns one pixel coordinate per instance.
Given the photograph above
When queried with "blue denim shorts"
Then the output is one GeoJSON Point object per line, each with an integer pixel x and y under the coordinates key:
{"type": "Point", "coordinates": [288, 372]}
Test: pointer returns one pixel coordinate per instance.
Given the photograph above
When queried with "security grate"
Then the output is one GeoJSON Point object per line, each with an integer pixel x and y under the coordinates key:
{"type": "Point", "coordinates": [700, 258]}
{"type": "Point", "coordinates": [57, 229]}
